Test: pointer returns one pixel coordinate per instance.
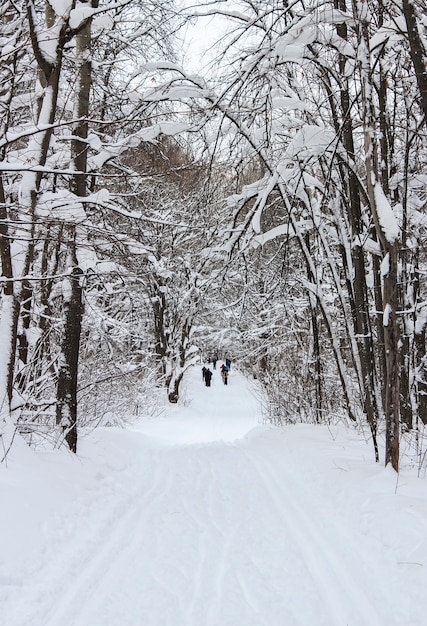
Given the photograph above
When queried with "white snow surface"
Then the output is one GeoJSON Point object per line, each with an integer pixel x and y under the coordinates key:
{"type": "Point", "coordinates": [206, 517]}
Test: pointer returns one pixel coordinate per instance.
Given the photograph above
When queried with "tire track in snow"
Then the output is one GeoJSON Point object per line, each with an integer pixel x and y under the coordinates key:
{"type": "Point", "coordinates": [326, 565]}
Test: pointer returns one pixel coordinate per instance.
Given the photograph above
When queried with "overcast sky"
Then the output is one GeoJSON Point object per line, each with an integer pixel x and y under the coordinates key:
{"type": "Point", "coordinates": [200, 38]}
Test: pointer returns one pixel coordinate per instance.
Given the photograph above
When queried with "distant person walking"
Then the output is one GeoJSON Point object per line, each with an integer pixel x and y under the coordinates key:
{"type": "Point", "coordinates": [228, 363]}
{"type": "Point", "coordinates": [208, 376]}
{"type": "Point", "coordinates": [224, 373]}
{"type": "Point", "coordinates": [204, 370]}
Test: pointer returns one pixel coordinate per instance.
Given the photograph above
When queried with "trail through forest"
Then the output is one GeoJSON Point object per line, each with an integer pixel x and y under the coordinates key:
{"type": "Point", "coordinates": [206, 517]}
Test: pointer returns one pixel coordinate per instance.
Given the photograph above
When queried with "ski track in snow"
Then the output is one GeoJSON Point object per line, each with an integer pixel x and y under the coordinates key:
{"type": "Point", "coordinates": [117, 542]}
{"type": "Point", "coordinates": [215, 532]}
{"type": "Point", "coordinates": [333, 571]}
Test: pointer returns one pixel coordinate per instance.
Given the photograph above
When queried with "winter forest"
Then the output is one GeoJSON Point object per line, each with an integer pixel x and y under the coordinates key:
{"type": "Point", "coordinates": [269, 204]}
{"type": "Point", "coordinates": [181, 180]}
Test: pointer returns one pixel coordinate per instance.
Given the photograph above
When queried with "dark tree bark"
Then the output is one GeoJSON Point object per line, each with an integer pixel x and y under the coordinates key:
{"type": "Point", "coordinates": [316, 344]}
{"type": "Point", "coordinates": [388, 236]}
{"type": "Point", "coordinates": [392, 350]}
{"type": "Point", "coordinates": [417, 51]}
{"type": "Point", "coordinates": [66, 405]}
{"type": "Point", "coordinates": [66, 410]}
{"type": "Point", "coordinates": [79, 147]}
{"type": "Point", "coordinates": [8, 291]}
{"type": "Point", "coordinates": [7, 90]}
{"type": "Point", "coordinates": [420, 373]}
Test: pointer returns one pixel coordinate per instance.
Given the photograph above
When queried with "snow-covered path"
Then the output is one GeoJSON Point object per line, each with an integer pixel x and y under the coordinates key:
{"type": "Point", "coordinates": [205, 518]}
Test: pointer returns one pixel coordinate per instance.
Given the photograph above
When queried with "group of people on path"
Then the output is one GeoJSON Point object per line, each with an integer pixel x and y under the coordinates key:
{"type": "Point", "coordinates": [225, 369]}
{"type": "Point", "coordinates": [213, 360]}
{"type": "Point", "coordinates": [207, 375]}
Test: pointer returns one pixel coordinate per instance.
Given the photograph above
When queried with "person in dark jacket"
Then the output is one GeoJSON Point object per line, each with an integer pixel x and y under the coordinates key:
{"type": "Point", "coordinates": [208, 376]}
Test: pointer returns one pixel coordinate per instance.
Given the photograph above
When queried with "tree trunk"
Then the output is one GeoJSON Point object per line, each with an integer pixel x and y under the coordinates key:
{"type": "Point", "coordinates": [420, 373]}
{"type": "Point", "coordinates": [66, 410]}
{"type": "Point", "coordinates": [66, 405]}
{"type": "Point", "coordinates": [358, 292]}
{"type": "Point", "coordinates": [9, 316]}
{"type": "Point", "coordinates": [316, 343]}
{"type": "Point", "coordinates": [79, 147]}
{"type": "Point", "coordinates": [391, 336]}
{"type": "Point", "coordinates": [418, 52]}
{"type": "Point", "coordinates": [9, 303]}
{"type": "Point", "coordinates": [387, 232]}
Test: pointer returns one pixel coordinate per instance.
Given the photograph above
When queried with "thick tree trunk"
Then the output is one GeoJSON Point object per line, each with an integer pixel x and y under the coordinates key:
{"type": "Point", "coordinates": [79, 147]}
{"type": "Point", "coordinates": [66, 405]}
{"type": "Point", "coordinates": [66, 410]}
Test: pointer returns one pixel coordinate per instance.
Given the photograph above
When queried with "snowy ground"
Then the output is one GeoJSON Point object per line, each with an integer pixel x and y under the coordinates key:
{"type": "Point", "coordinates": [204, 517]}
